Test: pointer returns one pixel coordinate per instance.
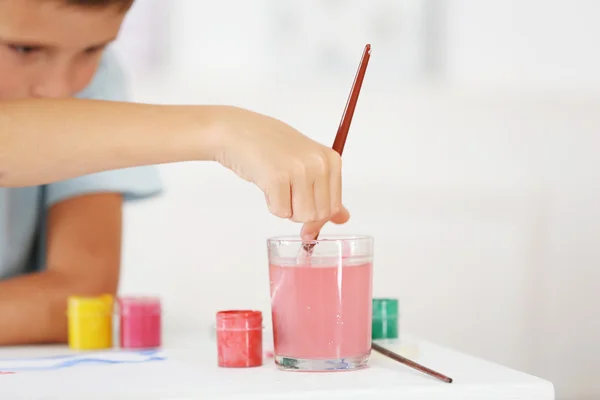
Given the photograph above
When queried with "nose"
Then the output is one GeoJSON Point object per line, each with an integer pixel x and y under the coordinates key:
{"type": "Point", "coordinates": [58, 82]}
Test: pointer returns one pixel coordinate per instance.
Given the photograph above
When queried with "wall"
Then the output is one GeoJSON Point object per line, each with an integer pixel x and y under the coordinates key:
{"type": "Point", "coordinates": [481, 191]}
{"type": "Point", "coordinates": [517, 43]}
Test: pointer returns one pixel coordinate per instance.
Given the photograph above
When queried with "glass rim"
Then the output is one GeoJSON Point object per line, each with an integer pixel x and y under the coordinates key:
{"type": "Point", "coordinates": [332, 238]}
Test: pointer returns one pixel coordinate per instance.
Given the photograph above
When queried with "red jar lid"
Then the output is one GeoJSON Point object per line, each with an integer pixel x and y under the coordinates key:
{"type": "Point", "coordinates": [239, 320]}
{"type": "Point", "coordinates": [139, 305]}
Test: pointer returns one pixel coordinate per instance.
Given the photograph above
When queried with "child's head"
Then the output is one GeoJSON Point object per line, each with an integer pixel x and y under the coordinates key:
{"type": "Point", "coordinates": [52, 48]}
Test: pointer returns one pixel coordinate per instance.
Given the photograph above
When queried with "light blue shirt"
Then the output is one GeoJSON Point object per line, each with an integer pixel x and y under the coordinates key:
{"type": "Point", "coordinates": [23, 210]}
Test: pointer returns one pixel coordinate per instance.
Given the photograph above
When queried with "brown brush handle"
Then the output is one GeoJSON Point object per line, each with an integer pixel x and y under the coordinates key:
{"type": "Point", "coordinates": [344, 127]}
{"type": "Point", "coordinates": [410, 363]}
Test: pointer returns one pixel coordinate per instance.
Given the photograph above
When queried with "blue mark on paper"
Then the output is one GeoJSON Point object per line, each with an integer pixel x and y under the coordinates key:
{"type": "Point", "coordinates": [66, 361]}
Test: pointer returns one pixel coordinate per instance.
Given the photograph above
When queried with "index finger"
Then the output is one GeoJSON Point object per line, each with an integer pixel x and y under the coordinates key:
{"type": "Point", "coordinates": [311, 229]}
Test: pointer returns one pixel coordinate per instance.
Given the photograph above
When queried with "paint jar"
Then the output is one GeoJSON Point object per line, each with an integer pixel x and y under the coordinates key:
{"type": "Point", "coordinates": [239, 338]}
{"type": "Point", "coordinates": [140, 322]}
{"type": "Point", "coordinates": [90, 322]}
{"type": "Point", "coordinates": [385, 319]}
{"type": "Point", "coordinates": [321, 302]}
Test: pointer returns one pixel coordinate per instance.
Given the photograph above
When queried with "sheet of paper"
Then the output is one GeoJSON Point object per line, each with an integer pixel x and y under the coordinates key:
{"type": "Point", "coordinates": [106, 375]}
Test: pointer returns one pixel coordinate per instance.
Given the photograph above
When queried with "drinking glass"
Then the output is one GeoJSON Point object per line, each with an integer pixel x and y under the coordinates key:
{"type": "Point", "coordinates": [321, 302]}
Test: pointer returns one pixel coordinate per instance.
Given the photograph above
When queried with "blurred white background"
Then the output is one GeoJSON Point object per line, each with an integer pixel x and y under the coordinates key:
{"type": "Point", "coordinates": [472, 159]}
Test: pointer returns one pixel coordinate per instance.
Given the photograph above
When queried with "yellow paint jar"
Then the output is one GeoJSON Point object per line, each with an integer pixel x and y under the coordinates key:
{"type": "Point", "coordinates": [90, 322]}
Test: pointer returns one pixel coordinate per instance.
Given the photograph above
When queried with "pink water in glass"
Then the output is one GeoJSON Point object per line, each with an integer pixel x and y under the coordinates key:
{"type": "Point", "coordinates": [322, 314]}
{"type": "Point", "coordinates": [140, 325]}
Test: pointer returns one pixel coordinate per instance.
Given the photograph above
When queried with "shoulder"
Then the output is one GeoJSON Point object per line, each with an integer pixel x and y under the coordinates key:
{"type": "Point", "coordinates": [109, 82]}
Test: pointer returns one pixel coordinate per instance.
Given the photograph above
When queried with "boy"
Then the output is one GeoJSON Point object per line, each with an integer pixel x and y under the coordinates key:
{"type": "Point", "coordinates": [68, 233]}
{"type": "Point", "coordinates": [54, 49]}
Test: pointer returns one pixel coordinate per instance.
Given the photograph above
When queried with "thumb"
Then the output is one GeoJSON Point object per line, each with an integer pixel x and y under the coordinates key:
{"type": "Point", "coordinates": [311, 229]}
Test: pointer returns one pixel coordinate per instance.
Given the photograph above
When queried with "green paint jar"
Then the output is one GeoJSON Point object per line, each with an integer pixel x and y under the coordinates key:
{"type": "Point", "coordinates": [385, 319]}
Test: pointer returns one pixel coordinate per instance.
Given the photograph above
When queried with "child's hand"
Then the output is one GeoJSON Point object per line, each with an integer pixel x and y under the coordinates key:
{"type": "Point", "coordinates": [301, 179]}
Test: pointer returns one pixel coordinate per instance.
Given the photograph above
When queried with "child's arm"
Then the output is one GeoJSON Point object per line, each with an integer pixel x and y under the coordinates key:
{"type": "Point", "coordinates": [83, 258]}
{"type": "Point", "coordinates": [44, 141]}
{"type": "Point", "coordinates": [48, 140]}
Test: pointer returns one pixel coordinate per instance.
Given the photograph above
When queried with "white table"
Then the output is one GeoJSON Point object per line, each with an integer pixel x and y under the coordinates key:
{"type": "Point", "coordinates": [190, 372]}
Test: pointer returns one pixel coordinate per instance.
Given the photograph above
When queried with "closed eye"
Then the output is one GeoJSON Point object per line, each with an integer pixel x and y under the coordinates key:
{"type": "Point", "coordinates": [24, 49]}
{"type": "Point", "coordinates": [95, 49]}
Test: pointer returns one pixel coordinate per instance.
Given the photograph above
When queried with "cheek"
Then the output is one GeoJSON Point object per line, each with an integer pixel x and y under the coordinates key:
{"type": "Point", "coordinates": [14, 80]}
{"type": "Point", "coordinates": [84, 73]}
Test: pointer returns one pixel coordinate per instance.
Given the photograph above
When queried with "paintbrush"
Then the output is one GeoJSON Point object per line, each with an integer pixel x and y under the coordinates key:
{"type": "Point", "coordinates": [344, 127]}
{"type": "Point", "coordinates": [410, 363]}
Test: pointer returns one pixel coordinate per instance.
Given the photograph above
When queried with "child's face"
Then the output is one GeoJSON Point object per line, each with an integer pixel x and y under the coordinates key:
{"type": "Point", "coordinates": [48, 49]}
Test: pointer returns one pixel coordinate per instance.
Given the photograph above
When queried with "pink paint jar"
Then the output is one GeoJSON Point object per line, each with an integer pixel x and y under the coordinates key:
{"type": "Point", "coordinates": [239, 338]}
{"type": "Point", "coordinates": [140, 322]}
